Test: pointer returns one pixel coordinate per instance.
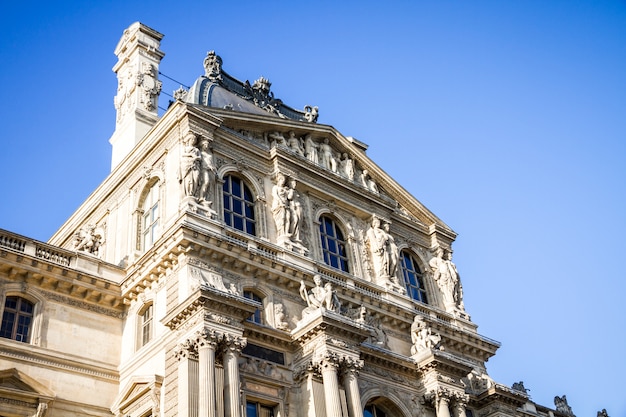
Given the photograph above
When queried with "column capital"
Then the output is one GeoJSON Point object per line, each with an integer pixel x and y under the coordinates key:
{"type": "Point", "coordinates": [351, 365]}
{"type": "Point", "coordinates": [186, 350]}
{"type": "Point", "coordinates": [234, 343]}
{"type": "Point", "coordinates": [207, 338]}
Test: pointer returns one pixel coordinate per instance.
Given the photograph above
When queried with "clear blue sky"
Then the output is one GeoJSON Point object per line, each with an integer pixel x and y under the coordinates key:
{"type": "Point", "coordinates": [506, 118]}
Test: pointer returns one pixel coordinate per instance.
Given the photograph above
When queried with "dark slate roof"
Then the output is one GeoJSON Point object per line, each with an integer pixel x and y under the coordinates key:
{"type": "Point", "coordinates": [219, 89]}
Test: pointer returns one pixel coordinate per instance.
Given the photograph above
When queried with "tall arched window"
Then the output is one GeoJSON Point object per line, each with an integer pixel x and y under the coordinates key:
{"type": "Point", "coordinates": [238, 205]}
{"type": "Point", "coordinates": [333, 244]}
{"type": "Point", "coordinates": [413, 278]}
{"type": "Point", "coordinates": [151, 214]}
{"type": "Point", "coordinates": [257, 317]}
{"type": "Point", "coordinates": [17, 319]}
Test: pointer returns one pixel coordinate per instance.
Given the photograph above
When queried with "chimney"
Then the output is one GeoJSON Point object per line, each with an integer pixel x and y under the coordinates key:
{"type": "Point", "coordinates": [138, 88]}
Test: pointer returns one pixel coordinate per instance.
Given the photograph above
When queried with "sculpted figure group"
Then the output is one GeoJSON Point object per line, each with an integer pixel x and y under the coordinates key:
{"type": "Point", "coordinates": [422, 337]}
{"type": "Point", "coordinates": [447, 279]}
{"type": "Point", "coordinates": [286, 209]}
{"type": "Point", "coordinates": [320, 296]}
{"type": "Point", "coordinates": [197, 169]}
{"type": "Point", "coordinates": [384, 254]}
{"type": "Point", "coordinates": [323, 154]}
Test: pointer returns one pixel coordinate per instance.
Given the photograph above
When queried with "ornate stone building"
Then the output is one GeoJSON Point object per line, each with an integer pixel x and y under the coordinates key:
{"type": "Point", "coordinates": [240, 260]}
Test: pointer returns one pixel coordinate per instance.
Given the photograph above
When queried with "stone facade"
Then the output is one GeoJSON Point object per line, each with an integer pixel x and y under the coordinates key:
{"type": "Point", "coordinates": [241, 259]}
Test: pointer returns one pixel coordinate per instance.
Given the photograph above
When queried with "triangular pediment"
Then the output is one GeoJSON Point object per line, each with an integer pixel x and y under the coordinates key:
{"type": "Point", "coordinates": [18, 384]}
{"type": "Point", "coordinates": [136, 388]}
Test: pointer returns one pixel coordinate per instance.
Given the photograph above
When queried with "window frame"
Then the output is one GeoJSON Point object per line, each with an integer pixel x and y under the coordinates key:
{"type": "Point", "coordinates": [16, 290]}
{"type": "Point", "coordinates": [259, 315]}
{"type": "Point", "coordinates": [239, 207]}
{"type": "Point", "coordinates": [336, 257]}
{"type": "Point", "coordinates": [17, 322]}
{"type": "Point", "coordinates": [149, 222]}
{"type": "Point", "coordinates": [413, 278]}
{"type": "Point", "coordinates": [142, 324]}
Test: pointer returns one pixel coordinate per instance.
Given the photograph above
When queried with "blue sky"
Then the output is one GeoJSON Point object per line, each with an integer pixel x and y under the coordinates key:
{"type": "Point", "coordinates": [506, 118]}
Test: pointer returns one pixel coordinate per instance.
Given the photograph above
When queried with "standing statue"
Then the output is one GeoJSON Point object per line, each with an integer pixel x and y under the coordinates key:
{"type": "Point", "coordinates": [294, 143]}
{"type": "Point", "coordinates": [447, 278]}
{"type": "Point", "coordinates": [392, 252]}
{"type": "Point", "coordinates": [280, 206]}
{"type": "Point", "coordinates": [327, 159]}
{"type": "Point", "coordinates": [310, 148]}
{"type": "Point", "coordinates": [346, 166]}
{"type": "Point", "coordinates": [207, 173]}
{"type": "Point", "coordinates": [422, 337]}
{"type": "Point", "coordinates": [189, 173]}
{"type": "Point", "coordinates": [319, 296]}
{"type": "Point", "coordinates": [295, 209]}
{"type": "Point", "coordinates": [377, 242]}
{"type": "Point", "coordinates": [368, 182]}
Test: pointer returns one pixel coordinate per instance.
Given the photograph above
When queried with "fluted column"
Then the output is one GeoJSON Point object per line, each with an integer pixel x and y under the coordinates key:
{"type": "Point", "coordinates": [460, 403]}
{"type": "Point", "coordinates": [329, 366]}
{"type": "Point", "coordinates": [187, 379]}
{"type": "Point", "coordinates": [232, 401]}
{"type": "Point", "coordinates": [206, 341]}
{"type": "Point", "coordinates": [351, 385]}
{"type": "Point", "coordinates": [443, 404]}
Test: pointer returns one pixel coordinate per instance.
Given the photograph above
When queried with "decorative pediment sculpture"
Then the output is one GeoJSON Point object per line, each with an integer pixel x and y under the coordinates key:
{"type": "Point", "coordinates": [88, 239]}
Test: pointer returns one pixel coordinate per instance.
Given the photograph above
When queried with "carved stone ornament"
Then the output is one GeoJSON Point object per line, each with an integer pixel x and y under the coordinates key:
{"type": "Point", "coordinates": [384, 254]}
{"type": "Point", "coordinates": [88, 239]}
{"type": "Point", "coordinates": [213, 66]}
{"type": "Point", "coordinates": [422, 337]}
{"type": "Point", "coordinates": [287, 212]}
{"type": "Point", "coordinates": [446, 276]}
{"type": "Point", "coordinates": [320, 296]}
{"type": "Point", "coordinates": [562, 406]}
{"type": "Point", "coordinates": [280, 317]}
{"type": "Point", "coordinates": [150, 86]}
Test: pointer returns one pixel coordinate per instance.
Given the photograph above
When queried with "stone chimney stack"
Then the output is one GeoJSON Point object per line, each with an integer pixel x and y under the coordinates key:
{"type": "Point", "coordinates": [138, 88]}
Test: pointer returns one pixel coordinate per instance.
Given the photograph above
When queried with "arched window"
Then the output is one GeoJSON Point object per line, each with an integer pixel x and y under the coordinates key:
{"type": "Point", "coordinates": [145, 325]}
{"type": "Point", "coordinates": [151, 214]}
{"type": "Point", "coordinates": [373, 411]}
{"type": "Point", "coordinates": [17, 319]}
{"type": "Point", "coordinates": [257, 317]}
{"type": "Point", "coordinates": [413, 278]}
{"type": "Point", "coordinates": [238, 205]}
{"type": "Point", "coordinates": [333, 244]}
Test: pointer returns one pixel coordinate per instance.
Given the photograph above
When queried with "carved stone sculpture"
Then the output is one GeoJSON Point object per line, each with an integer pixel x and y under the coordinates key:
{"type": "Point", "coordinates": [310, 148]}
{"type": "Point", "coordinates": [422, 337]}
{"type": "Point", "coordinates": [207, 173]}
{"type": "Point", "coordinates": [88, 239]}
{"type": "Point", "coordinates": [384, 254]}
{"type": "Point", "coordinates": [346, 167]}
{"type": "Point", "coordinates": [295, 144]}
{"type": "Point", "coordinates": [311, 113]}
{"type": "Point", "coordinates": [280, 317]}
{"type": "Point", "coordinates": [447, 278]}
{"type": "Point", "coordinates": [603, 413]}
{"type": "Point", "coordinates": [280, 206]}
{"type": "Point", "coordinates": [189, 173]}
{"type": "Point", "coordinates": [327, 159]}
{"type": "Point", "coordinates": [562, 406]}
{"type": "Point", "coordinates": [368, 182]}
{"type": "Point", "coordinates": [519, 386]}
{"type": "Point", "coordinates": [213, 66]}
{"type": "Point", "coordinates": [319, 297]}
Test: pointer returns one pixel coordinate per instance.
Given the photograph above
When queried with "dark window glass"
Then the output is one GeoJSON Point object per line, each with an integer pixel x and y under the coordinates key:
{"type": "Point", "coordinates": [17, 319]}
{"type": "Point", "coordinates": [333, 244]}
{"type": "Point", "coordinates": [258, 410]}
{"type": "Point", "coordinates": [257, 317]}
{"type": "Point", "coordinates": [413, 279]}
{"type": "Point", "coordinates": [238, 205]}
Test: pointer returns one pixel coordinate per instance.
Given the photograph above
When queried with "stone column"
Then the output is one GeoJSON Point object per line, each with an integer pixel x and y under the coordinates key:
{"type": "Point", "coordinates": [443, 404]}
{"type": "Point", "coordinates": [351, 385]}
{"type": "Point", "coordinates": [187, 379]}
{"type": "Point", "coordinates": [206, 341]}
{"type": "Point", "coordinates": [232, 400]}
{"type": "Point", "coordinates": [329, 365]}
{"type": "Point", "coordinates": [460, 403]}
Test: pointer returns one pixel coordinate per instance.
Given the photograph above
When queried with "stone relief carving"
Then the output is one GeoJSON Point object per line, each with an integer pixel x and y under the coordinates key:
{"type": "Point", "coordinates": [445, 274]}
{"type": "Point", "coordinates": [280, 317]}
{"type": "Point", "coordinates": [476, 382]}
{"type": "Point", "coordinates": [422, 337]}
{"type": "Point", "coordinates": [562, 406]}
{"type": "Point", "coordinates": [384, 254]}
{"type": "Point", "coordinates": [123, 101]}
{"type": "Point", "coordinates": [319, 297]}
{"type": "Point", "coordinates": [150, 86]}
{"type": "Point", "coordinates": [89, 239]}
{"type": "Point", "coordinates": [287, 211]}
{"type": "Point", "coordinates": [212, 280]}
